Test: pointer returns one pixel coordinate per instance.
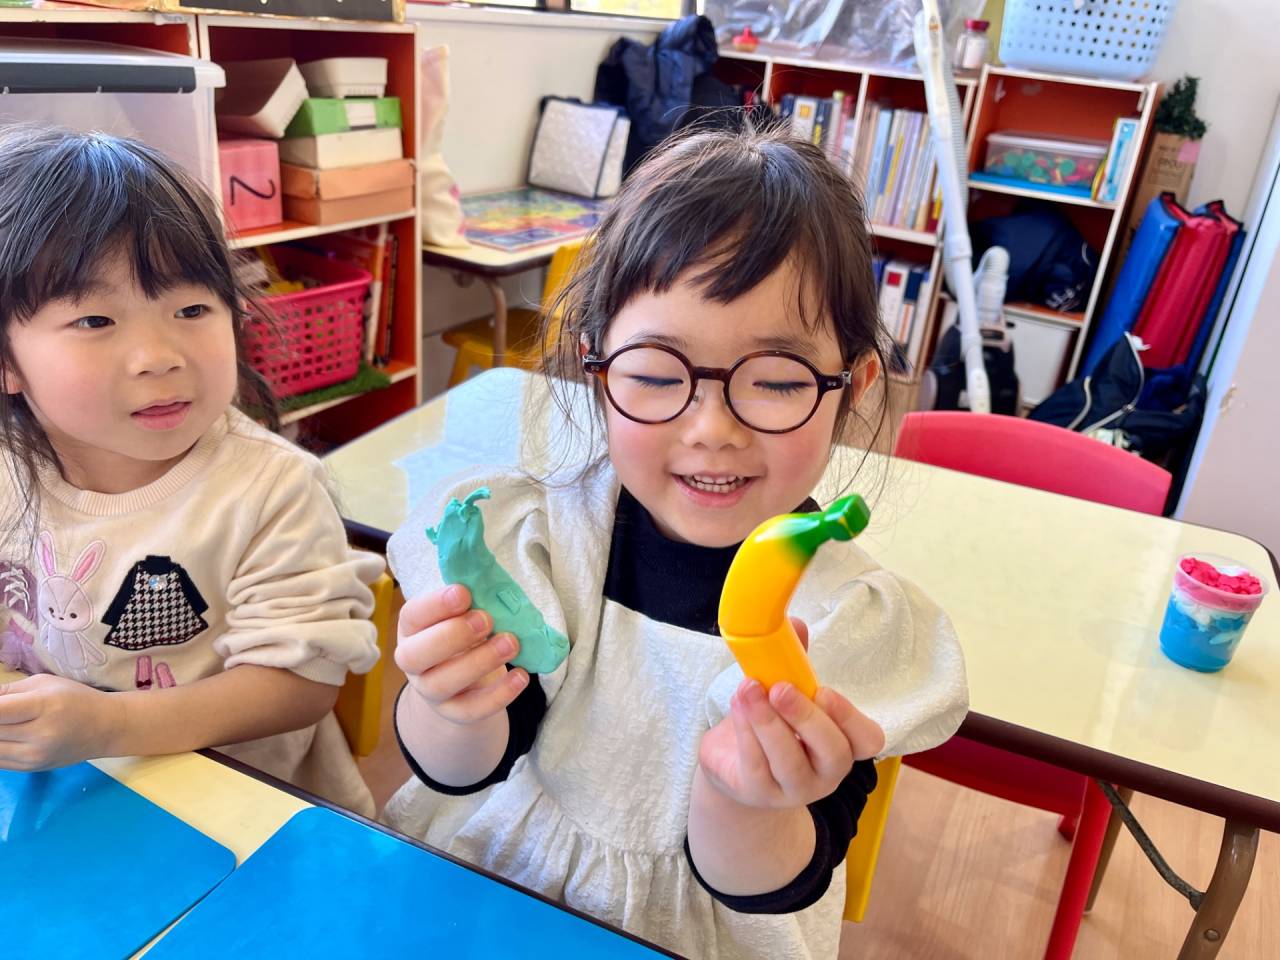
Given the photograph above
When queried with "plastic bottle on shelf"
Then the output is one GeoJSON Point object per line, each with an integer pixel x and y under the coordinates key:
{"type": "Point", "coordinates": [971, 46]}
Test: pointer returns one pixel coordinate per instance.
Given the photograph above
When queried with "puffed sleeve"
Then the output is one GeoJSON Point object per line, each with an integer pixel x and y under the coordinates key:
{"type": "Point", "coordinates": [300, 597]}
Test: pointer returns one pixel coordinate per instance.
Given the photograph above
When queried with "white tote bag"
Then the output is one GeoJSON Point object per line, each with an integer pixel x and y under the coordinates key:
{"type": "Point", "coordinates": [579, 147]}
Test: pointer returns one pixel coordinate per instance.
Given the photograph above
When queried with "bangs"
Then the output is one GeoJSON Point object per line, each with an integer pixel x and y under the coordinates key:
{"type": "Point", "coordinates": [729, 218]}
{"type": "Point", "coordinates": [104, 197]}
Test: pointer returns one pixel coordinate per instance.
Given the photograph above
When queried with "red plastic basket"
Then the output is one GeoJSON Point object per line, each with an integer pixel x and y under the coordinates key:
{"type": "Point", "coordinates": [319, 335]}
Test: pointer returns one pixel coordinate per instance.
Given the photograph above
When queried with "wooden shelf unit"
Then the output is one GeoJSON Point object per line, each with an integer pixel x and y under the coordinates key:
{"type": "Point", "coordinates": [222, 38]}
{"type": "Point", "coordinates": [996, 98]}
{"type": "Point", "coordinates": [1057, 105]}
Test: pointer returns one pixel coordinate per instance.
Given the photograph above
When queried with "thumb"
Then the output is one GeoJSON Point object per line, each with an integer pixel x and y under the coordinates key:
{"type": "Point", "coordinates": [802, 631]}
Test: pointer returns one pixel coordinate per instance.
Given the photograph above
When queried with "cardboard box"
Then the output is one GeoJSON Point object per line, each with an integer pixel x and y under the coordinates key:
{"type": "Point", "coordinates": [1170, 165]}
{"type": "Point", "coordinates": [250, 183]}
{"type": "Point", "coordinates": [261, 97]}
{"type": "Point", "coordinates": [320, 115]}
{"type": "Point", "coordinates": [332, 150]}
{"type": "Point", "coordinates": [326, 212]}
{"type": "Point", "coordinates": [308, 183]}
{"type": "Point", "coordinates": [377, 10]}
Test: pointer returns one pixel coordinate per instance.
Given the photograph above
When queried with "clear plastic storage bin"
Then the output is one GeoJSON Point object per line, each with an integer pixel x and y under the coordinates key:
{"type": "Point", "coordinates": [1063, 162]}
{"type": "Point", "coordinates": [163, 99]}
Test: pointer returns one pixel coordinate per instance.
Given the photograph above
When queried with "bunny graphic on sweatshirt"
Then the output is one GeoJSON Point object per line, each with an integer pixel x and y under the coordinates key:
{"type": "Point", "coordinates": [65, 609]}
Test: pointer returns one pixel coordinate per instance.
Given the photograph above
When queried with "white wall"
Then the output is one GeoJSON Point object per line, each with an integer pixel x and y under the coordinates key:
{"type": "Point", "coordinates": [1231, 46]}
{"type": "Point", "coordinates": [501, 64]}
{"type": "Point", "coordinates": [1232, 478]}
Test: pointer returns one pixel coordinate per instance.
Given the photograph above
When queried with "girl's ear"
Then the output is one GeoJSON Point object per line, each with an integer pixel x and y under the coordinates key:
{"type": "Point", "coordinates": [866, 370]}
{"type": "Point", "coordinates": [584, 346]}
{"type": "Point", "coordinates": [10, 382]}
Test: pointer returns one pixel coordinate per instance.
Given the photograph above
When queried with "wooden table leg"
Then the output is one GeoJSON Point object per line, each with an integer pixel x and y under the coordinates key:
{"type": "Point", "coordinates": [1222, 899]}
{"type": "Point", "coordinates": [499, 319]}
{"type": "Point", "coordinates": [1108, 843]}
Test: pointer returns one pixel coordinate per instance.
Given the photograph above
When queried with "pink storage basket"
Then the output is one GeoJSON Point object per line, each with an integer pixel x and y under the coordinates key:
{"type": "Point", "coordinates": [319, 334]}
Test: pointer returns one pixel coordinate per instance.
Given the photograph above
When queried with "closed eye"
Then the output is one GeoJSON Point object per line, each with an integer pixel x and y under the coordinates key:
{"type": "Point", "coordinates": [782, 387]}
{"type": "Point", "coordinates": [655, 383]}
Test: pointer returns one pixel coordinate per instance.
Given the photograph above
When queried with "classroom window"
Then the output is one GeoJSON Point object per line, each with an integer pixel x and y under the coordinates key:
{"type": "Point", "coordinates": [656, 9]}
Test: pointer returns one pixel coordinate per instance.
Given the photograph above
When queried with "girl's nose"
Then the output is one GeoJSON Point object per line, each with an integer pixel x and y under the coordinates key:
{"type": "Point", "coordinates": [154, 353]}
{"type": "Point", "coordinates": [709, 423]}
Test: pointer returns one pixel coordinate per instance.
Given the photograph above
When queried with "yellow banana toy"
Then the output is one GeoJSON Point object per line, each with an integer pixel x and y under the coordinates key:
{"type": "Point", "coordinates": [761, 580]}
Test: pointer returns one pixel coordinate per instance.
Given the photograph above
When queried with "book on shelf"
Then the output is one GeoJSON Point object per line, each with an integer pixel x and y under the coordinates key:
{"type": "Point", "coordinates": [905, 291]}
{"type": "Point", "coordinates": [1120, 154]}
{"type": "Point", "coordinates": [888, 151]}
{"type": "Point", "coordinates": [804, 116]}
{"type": "Point", "coordinates": [366, 247]}
{"type": "Point", "coordinates": [386, 321]}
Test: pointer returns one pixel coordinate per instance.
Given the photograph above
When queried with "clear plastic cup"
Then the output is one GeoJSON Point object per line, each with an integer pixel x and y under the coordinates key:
{"type": "Point", "coordinates": [1202, 624]}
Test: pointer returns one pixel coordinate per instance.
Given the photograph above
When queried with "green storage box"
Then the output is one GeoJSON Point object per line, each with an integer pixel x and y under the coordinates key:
{"type": "Point", "coordinates": [320, 115]}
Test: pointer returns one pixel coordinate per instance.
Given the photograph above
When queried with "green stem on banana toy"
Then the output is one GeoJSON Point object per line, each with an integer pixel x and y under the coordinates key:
{"type": "Point", "coordinates": [763, 576]}
{"type": "Point", "coordinates": [465, 559]}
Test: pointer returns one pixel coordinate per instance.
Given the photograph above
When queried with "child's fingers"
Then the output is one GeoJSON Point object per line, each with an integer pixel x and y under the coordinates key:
{"type": "Point", "coordinates": [430, 608]}
{"type": "Point", "coordinates": [17, 707]}
{"type": "Point", "coordinates": [753, 765]}
{"type": "Point", "coordinates": [802, 631]}
{"type": "Point", "coordinates": [18, 756]}
{"type": "Point", "coordinates": [435, 644]}
{"type": "Point", "coordinates": [484, 700]}
{"type": "Point", "coordinates": [865, 737]}
{"type": "Point", "coordinates": [829, 753]}
{"type": "Point", "coordinates": [465, 670]}
{"type": "Point", "coordinates": [788, 762]}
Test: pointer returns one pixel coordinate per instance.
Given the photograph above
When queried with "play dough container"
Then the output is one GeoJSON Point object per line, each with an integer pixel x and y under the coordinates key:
{"type": "Point", "coordinates": [1210, 605]}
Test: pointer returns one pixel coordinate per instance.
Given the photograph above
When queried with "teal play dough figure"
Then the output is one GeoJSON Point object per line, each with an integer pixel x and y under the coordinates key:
{"type": "Point", "coordinates": [465, 559]}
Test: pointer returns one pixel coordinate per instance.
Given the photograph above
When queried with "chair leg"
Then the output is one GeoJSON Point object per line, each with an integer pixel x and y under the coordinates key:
{"type": "Point", "coordinates": [1114, 823]}
{"type": "Point", "coordinates": [1075, 887]}
{"type": "Point", "coordinates": [1067, 825]}
{"type": "Point", "coordinates": [461, 367]}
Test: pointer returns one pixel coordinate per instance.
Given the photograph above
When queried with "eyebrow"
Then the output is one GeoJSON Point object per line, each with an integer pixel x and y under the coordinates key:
{"type": "Point", "coordinates": [790, 344]}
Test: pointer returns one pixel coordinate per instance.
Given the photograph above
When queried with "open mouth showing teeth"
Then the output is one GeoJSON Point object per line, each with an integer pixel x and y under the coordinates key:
{"type": "Point", "coordinates": [715, 484]}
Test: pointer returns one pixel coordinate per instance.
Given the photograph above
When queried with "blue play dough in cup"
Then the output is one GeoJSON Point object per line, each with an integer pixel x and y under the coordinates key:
{"type": "Point", "coordinates": [1203, 625]}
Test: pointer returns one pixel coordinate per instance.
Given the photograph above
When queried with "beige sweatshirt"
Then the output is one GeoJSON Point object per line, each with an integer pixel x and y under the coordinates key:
{"type": "Point", "coordinates": [236, 555]}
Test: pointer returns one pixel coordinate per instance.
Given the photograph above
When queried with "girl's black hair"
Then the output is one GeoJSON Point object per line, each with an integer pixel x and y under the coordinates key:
{"type": "Point", "coordinates": [730, 205]}
{"type": "Point", "coordinates": [67, 202]}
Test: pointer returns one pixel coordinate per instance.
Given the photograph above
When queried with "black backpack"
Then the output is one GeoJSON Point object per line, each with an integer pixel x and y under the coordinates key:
{"type": "Point", "coordinates": [1158, 412]}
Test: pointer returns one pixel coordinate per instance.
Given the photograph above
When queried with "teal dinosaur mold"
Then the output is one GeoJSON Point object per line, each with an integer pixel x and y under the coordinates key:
{"type": "Point", "coordinates": [464, 559]}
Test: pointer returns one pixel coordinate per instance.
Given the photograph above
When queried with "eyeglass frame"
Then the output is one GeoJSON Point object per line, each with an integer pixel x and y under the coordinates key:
{"type": "Point", "coordinates": [599, 367]}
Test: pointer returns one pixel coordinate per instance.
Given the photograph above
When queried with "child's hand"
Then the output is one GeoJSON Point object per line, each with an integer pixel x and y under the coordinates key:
{"type": "Point", "coordinates": [48, 721]}
{"type": "Point", "coordinates": [446, 653]}
{"type": "Point", "coordinates": [783, 750]}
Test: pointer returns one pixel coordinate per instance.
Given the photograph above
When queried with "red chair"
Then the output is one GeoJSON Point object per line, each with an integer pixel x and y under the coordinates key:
{"type": "Point", "coordinates": [1050, 458]}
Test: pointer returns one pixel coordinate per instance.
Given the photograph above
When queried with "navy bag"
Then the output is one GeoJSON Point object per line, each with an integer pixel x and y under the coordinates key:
{"type": "Point", "coordinates": [1157, 411]}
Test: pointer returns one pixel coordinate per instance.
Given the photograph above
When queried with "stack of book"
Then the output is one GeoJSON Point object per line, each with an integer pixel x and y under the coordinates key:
{"type": "Point", "coordinates": [342, 159]}
{"type": "Point", "coordinates": [896, 151]}
{"type": "Point", "coordinates": [905, 291]}
{"type": "Point", "coordinates": [889, 151]}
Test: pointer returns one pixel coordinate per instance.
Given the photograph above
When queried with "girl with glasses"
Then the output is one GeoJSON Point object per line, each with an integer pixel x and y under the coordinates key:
{"type": "Point", "coordinates": [725, 315]}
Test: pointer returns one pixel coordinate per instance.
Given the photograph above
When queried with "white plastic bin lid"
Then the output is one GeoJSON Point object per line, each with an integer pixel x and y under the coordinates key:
{"type": "Point", "coordinates": [1049, 143]}
{"type": "Point", "coordinates": [85, 66]}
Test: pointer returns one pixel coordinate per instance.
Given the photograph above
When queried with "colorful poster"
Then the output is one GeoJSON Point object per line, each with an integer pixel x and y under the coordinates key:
{"type": "Point", "coordinates": [514, 220]}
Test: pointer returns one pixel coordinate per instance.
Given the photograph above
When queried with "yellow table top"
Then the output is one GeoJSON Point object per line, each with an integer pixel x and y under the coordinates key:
{"type": "Point", "coordinates": [1057, 601]}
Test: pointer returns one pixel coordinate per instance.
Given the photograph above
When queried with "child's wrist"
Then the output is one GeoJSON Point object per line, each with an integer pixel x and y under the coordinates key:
{"type": "Point", "coordinates": [114, 724]}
